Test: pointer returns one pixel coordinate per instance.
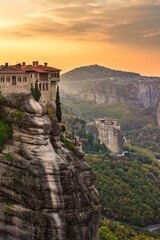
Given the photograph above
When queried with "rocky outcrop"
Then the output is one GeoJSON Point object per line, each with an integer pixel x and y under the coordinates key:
{"type": "Point", "coordinates": [107, 133]}
{"type": "Point", "coordinates": [45, 193]}
{"type": "Point", "coordinates": [142, 93]}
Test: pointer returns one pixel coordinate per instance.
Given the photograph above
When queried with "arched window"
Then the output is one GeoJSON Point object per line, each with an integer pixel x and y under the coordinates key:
{"type": "Point", "coordinates": [19, 79]}
{"type": "Point", "coordinates": [2, 79]}
{"type": "Point", "coordinates": [7, 79]}
{"type": "Point", "coordinates": [24, 79]}
{"type": "Point", "coordinates": [14, 80]}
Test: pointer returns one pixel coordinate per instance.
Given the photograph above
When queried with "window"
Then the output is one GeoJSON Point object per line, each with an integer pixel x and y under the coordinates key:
{"type": "Point", "coordinates": [52, 75]}
{"type": "Point", "coordinates": [19, 79]}
{"type": "Point", "coordinates": [43, 87]}
{"type": "Point", "coordinates": [2, 79]}
{"type": "Point", "coordinates": [57, 75]}
{"type": "Point", "coordinates": [7, 79]}
{"type": "Point", "coordinates": [14, 82]}
{"type": "Point", "coordinates": [40, 87]}
{"type": "Point", "coordinates": [46, 86]}
{"type": "Point", "coordinates": [24, 79]}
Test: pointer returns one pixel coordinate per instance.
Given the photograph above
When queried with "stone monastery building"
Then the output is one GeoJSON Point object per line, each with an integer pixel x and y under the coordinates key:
{"type": "Point", "coordinates": [19, 78]}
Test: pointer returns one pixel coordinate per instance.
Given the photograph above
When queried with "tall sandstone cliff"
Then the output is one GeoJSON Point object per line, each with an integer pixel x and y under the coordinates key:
{"type": "Point", "coordinates": [104, 85]}
{"type": "Point", "coordinates": [110, 135]}
{"type": "Point", "coordinates": [139, 93]}
{"type": "Point", "coordinates": [45, 194]}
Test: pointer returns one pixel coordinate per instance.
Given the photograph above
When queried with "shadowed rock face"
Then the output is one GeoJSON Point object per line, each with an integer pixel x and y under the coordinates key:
{"type": "Point", "coordinates": [158, 111]}
{"type": "Point", "coordinates": [43, 195]}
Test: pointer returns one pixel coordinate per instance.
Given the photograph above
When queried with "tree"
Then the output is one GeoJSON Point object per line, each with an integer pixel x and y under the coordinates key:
{"type": "Point", "coordinates": [58, 106]}
{"type": "Point", "coordinates": [35, 92]}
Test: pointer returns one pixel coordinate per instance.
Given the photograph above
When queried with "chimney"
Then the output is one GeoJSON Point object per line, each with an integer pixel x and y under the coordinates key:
{"type": "Point", "coordinates": [23, 63]}
{"type": "Point", "coordinates": [45, 64]}
{"type": "Point", "coordinates": [6, 64]}
{"type": "Point", "coordinates": [36, 62]}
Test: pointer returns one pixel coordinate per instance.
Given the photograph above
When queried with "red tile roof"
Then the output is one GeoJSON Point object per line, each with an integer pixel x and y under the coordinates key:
{"type": "Point", "coordinates": [27, 68]}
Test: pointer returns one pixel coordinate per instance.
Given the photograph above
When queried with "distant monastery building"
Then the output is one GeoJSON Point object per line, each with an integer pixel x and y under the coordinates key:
{"type": "Point", "coordinates": [19, 78]}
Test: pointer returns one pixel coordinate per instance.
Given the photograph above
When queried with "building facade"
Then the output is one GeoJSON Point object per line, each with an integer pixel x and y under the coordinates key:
{"type": "Point", "coordinates": [20, 77]}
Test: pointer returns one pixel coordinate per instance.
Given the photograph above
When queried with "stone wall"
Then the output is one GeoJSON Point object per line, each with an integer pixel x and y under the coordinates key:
{"type": "Point", "coordinates": [47, 88]}
{"type": "Point", "coordinates": [21, 86]}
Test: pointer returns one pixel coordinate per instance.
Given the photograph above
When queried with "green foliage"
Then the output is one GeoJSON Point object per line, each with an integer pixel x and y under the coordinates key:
{"type": "Point", "coordinates": [70, 145]}
{"type": "Point", "coordinates": [35, 92]}
{"type": "Point", "coordinates": [8, 156]}
{"type": "Point", "coordinates": [118, 231]}
{"type": "Point", "coordinates": [144, 155]}
{"type": "Point", "coordinates": [5, 132]}
{"type": "Point", "coordinates": [146, 137]}
{"type": "Point", "coordinates": [63, 127]}
{"type": "Point", "coordinates": [19, 118]}
{"type": "Point", "coordinates": [58, 106]}
{"type": "Point", "coordinates": [90, 138]}
{"type": "Point", "coordinates": [128, 187]}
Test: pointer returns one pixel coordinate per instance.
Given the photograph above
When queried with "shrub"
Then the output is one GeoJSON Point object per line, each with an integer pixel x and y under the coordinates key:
{"type": "Point", "coordinates": [5, 132]}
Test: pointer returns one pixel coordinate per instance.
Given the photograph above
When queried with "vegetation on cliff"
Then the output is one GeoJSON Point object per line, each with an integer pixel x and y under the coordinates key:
{"type": "Point", "coordinates": [5, 132]}
{"type": "Point", "coordinates": [58, 106]}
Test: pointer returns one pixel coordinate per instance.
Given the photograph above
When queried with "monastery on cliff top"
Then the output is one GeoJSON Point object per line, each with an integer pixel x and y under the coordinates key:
{"type": "Point", "coordinates": [19, 78]}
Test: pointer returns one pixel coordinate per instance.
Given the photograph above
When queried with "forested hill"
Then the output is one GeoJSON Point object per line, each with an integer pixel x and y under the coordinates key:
{"type": "Point", "coordinates": [95, 72]}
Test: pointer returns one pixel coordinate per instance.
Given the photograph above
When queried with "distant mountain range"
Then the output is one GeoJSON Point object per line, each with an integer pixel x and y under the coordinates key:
{"type": "Point", "coordinates": [95, 72]}
{"type": "Point", "coordinates": [104, 85]}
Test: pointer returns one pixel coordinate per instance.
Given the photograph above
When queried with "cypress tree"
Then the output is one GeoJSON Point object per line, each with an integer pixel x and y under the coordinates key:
{"type": "Point", "coordinates": [58, 106]}
{"type": "Point", "coordinates": [35, 92]}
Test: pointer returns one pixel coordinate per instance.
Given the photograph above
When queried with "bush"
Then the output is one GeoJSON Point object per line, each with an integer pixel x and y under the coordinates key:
{"type": "Point", "coordinates": [5, 132]}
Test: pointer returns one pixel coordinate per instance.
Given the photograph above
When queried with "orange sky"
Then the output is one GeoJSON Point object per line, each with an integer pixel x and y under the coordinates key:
{"type": "Point", "coordinates": [120, 34]}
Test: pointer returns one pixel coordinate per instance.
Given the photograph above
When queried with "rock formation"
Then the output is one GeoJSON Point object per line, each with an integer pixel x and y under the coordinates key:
{"type": "Point", "coordinates": [158, 111]}
{"type": "Point", "coordinates": [143, 93]}
{"type": "Point", "coordinates": [107, 131]}
{"type": "Point", "coordinates": [104, 85]}
{"type": "Point", "coordinates": [45, 193]}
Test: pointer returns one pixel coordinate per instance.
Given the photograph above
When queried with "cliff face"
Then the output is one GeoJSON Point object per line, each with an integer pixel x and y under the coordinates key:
{"type": "Point", "coordinates": [140, 93]}
{"type": "Point", "coordinates": [158, 111]}
{"type": "Point", "coordinates": [43, 194]}
{"type": "Point", "coordinates": [104, 85]}
{"type": "Point", "coordinates": [107, 134]}
{"type": "Point", "coordinates": [148, 92]}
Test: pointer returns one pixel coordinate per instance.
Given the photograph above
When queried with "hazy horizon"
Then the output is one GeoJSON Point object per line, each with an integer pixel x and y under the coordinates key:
{"type": "Point", "coordinates": [118, 34]}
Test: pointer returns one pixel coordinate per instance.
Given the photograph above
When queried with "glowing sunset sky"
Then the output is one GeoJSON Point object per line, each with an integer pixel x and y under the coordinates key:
{"type": "Point", "coordinates": [120, 34]}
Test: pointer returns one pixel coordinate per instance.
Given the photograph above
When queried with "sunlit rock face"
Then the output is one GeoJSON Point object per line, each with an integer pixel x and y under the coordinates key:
{"type": "Point", "coordinates": [44, 194]}
{"type": "Point", "coordinates": [110, 135]}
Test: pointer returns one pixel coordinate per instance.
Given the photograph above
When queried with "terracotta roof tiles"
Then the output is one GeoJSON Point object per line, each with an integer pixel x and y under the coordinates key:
{"type": "Point", "coordinates": [27, 68]}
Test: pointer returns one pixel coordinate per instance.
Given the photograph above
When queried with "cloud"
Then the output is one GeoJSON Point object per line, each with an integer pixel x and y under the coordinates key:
{"type": "Point", "coordinates": [122, 22]}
